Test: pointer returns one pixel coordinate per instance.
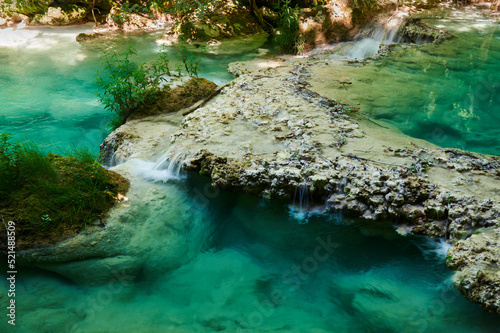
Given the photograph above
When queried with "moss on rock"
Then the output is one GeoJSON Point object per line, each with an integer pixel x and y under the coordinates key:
{"type": "Point", "coordinates": [64, 15]}
{"type": "Point", "coordinates": [180, 97]}
{"type": "Point", "coordinates": [415, 31]}
{"type": "Point", "coordinates": [53, 208]}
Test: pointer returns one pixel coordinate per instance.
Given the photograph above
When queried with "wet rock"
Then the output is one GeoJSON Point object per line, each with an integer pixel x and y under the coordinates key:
{"type": "Point", "coordinates": [434, 209]}
{"type": "Point", "coordinates": [477, 262]}
{"type": "Point", "coordinates": [415, 31]}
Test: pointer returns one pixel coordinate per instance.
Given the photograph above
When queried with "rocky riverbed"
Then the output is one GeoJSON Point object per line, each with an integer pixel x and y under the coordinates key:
{"type": "Point", "coordinates": [275, 129]}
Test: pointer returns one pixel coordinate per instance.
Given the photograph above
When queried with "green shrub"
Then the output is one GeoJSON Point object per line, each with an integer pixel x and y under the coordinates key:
{"type": "Point", "coordinates": [288, 27]}
{"type": "Point", "coordinates": [28, 7]}
{"type": "Point", "coordinates": [363, 10]}
{"type": "Point", "coordinates": [128, 86]}
{"type": "Point", "coordinates": [191, 60]}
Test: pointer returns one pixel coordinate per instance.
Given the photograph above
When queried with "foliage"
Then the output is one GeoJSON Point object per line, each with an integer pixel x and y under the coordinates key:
{"type": "Point", "coordinates": [191, 60]}
{"type": "Point", "coordinates": [148, 8]}
{"type": "Point", "coordinates": [127, 8]}
{"type": "Point", "coordinates": [26, 7]}
{"type": "Point", "coordinates": [128, 86]}
{"type": "Point", "coordinates": [179, 97]}
{"type": "Point", "coordinates": [189, 6]}
{"type": "Point", "coordinates": [362, 10]}
{"type": "Point", "coordinates": [50, 194]}
{"type": "Point", "coordinates": [288, 27]}
{"type": "Point", "coordinates": [21, 164]}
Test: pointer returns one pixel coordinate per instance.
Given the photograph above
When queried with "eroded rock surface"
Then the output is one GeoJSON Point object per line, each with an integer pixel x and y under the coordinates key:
{"type": "Point", "coordinates": [269, 132]}
{"type": "Point", "coordinates": [477, 261]}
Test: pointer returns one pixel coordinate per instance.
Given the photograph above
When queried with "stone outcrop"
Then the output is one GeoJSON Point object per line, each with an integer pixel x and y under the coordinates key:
{"type": "Point", "coordinates": [413, 30]}
{"type": "Point", "coordinates": [51, 12]}
{"type": "Point", "coordinates": [59, 16]}
{"type": "Point", "coordinates": [134, 239]}
{"type": "Point", "coordinates": [477, 261]}
{"type": "Point", "coordinates": [269, 132]}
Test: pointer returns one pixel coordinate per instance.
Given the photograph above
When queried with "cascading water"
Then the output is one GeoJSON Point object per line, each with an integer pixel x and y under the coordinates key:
{"type": "Point", "coordinates": [445, 93]}
{"type": "Point", "coordinates": [302, 199]}
{"type": "Point", "coordinates": [171, 163]}
{"type": "Point", "coordinates": [370, 45]}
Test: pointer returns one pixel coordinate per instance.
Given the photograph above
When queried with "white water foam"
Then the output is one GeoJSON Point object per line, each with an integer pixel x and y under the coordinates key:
{"type": "Point", "coordinates": [149, 171]}
{"type": "Point", "coordinates": [11, 37]}
{"type": "Point", "coordinates": [434, 248]}
{"type": "Point", "coordinates": [370, 45]}
{"type": "Point", "coordinates": [172, 162]}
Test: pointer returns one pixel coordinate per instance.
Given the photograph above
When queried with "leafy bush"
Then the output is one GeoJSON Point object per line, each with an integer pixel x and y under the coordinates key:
{"type": "Point", "coordinates": [190, 59]}
{"type": "Point", "coordinates": [288, 27]}
{"type": "Point", "coordinates": [148, 8]}
{"type": "Point", "coordinates": [27, 7]}
{"type": "Point", "coordinates": [363, 10]}
{"type": "Point", "coordinates": [128, 86]}
{"type": "Point", "coordinates": [189, 6]}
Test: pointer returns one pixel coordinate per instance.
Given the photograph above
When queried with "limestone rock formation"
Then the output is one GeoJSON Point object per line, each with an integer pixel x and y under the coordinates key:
{"type": "Point", "coordinates": [477, 262]}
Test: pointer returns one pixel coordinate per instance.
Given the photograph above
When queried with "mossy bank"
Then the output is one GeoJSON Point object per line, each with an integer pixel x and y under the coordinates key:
{"type": "Point", "coordinates": [67, 196]}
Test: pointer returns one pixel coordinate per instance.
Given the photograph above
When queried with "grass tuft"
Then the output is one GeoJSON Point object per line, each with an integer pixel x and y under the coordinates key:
{"type": "Point", "coordinates": [52, 197]}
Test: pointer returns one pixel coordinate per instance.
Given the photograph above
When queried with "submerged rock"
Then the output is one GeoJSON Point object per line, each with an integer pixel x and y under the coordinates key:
{"type": "Point", "coordinates": [139, 237]}
{"type": "Point", "coordinates": [413, 30]}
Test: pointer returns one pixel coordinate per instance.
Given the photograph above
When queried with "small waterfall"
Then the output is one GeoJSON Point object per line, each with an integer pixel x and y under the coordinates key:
{"type": "Point", "coordinates": [370, 45]}
{"type": "Point", "coordinates": [302, 200]}
{"type": "Point", "coordinates": [172, 163]}
{"type": "Point", "coordinates": [168, 168]}
{"type": "Point", "coordinates": [114, 160]}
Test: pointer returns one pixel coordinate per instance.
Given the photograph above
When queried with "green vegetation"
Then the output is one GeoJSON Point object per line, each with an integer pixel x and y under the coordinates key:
{"type": "Point", "coordinates": [189, 6]}
{"type": "Point", "coordinates": [25, 7]}
{"type": "Point", "coordinates": [190, 59]}
{"type": "Point", "coordinates": [180, 97]}
{"type": "Point", "coordinates": [131, 88]}
{"type": "Point", "coordinates": [150, 8]}
{"type": "Point", "coordinates": [51, 197]}
{"type": "Point", "coordinates": [288, 26]}
{"type": "Point", "coordinates": [128, 86]}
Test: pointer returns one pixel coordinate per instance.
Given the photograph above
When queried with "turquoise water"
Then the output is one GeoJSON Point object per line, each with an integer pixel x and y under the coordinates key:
{"type": "Point", "coordinates": [225, 263]}
{"type": "Point", "coordinates": [448, 94]}
{"type": "Point", "coordinates": [262, 271]}
{"type": "Point", "coordinates": [48, 90]}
